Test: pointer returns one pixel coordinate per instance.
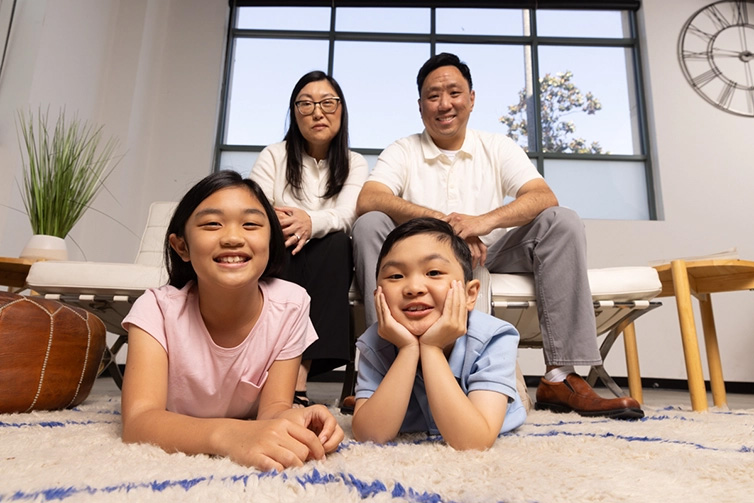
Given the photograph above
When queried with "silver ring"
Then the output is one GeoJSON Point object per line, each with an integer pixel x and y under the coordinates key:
{"type": "Point", "coordinates": [298, 238]}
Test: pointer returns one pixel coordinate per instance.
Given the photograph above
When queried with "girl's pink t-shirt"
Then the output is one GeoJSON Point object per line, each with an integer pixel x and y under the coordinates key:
{"type": "Point", "coordinates": [206, 380]}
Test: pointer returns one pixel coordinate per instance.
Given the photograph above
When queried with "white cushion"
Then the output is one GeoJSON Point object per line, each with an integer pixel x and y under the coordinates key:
{"type": "Point", "coordinates": [98, 278]}
{"type": "Point", "coordinates": [616, 284]}
{"type": "Point", "coordinates": [151, 248]}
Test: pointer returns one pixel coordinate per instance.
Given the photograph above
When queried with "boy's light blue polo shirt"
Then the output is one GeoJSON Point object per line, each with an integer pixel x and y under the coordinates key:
{"type": "Point", "coordinates": [482, 359]}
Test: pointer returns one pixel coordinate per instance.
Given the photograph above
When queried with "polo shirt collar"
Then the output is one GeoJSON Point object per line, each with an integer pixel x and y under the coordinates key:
{"type": "Point", "coordinates": [431, 151]}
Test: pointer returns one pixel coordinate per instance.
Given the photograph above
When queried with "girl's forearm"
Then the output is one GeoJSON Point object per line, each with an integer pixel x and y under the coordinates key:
{"type": "Point", "coordinates": [178, 433]}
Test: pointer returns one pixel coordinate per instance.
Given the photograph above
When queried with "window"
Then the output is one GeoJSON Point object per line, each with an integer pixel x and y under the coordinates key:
{"type": "Point", "coordinates": [583, 128]}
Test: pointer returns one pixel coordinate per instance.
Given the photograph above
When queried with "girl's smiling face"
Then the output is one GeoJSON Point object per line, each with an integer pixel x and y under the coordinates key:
{"type": "Point", "coordinates": [226, 239]}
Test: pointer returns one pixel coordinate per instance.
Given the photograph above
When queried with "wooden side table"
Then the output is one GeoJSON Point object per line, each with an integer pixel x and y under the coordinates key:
{"type": "Point", "coordinates": [13, 272]}
{"type": "Point", "coordinates": [702, 278]}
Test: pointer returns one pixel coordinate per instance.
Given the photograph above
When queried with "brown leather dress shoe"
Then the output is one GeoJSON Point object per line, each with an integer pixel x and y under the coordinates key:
{"type": "Point", "coordinates": [574, 394]}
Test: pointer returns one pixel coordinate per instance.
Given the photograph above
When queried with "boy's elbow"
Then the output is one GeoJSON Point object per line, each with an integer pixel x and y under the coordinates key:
{"type": "Point", "coordinates": [471, 442]}
{"type": "Point", "coordinates": [374, 437]}
{"type": "Point", "coordinates": [365, 433]}
{"type": "Point", "coordinates": [128, 435]}
{"type": "Point", "coordinates": [470, 445]}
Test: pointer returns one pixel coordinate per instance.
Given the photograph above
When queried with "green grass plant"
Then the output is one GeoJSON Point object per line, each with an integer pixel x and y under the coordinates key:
{"type": "Point", "coordinates": [64, 169]}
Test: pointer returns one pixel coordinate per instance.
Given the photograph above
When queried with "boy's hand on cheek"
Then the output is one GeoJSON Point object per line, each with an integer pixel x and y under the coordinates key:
{"type": "Point", "coordinates": [388, 328]}
{"type": "Point", "coordinates": [452, 323]}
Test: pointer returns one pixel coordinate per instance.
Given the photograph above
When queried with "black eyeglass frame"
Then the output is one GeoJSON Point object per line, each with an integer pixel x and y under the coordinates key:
{"type": "Point", "coordinates": [314, 105]}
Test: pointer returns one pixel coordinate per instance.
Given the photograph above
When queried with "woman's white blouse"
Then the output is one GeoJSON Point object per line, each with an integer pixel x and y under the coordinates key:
{"type": "Point", "coordinates": [328, 215]}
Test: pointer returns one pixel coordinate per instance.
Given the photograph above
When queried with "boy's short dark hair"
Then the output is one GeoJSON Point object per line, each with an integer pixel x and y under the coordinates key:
{"type": "Point", "coordinates": [438, 228]}
{"type": "Point", "coordinates": [442, 59]}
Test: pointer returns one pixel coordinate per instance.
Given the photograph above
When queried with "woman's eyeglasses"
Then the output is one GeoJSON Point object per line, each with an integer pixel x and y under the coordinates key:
{"type": "Point", "coordinates": [328, 106]}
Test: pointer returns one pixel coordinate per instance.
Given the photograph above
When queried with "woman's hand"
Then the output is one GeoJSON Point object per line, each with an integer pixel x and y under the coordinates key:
{"type": "Point", "coordinates": [297, 226]}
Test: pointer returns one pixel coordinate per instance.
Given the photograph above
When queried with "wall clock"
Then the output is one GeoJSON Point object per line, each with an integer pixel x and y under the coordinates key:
{"type": "Point", "coordinates": [716, 51]}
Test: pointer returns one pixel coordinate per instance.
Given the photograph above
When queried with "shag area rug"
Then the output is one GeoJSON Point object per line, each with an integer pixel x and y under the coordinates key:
{"type": "Point", "coordinates": [672, 455]}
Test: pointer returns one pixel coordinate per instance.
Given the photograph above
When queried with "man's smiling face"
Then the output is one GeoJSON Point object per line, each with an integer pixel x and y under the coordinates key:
{"type": "Point", "coordinates": [445, 105]}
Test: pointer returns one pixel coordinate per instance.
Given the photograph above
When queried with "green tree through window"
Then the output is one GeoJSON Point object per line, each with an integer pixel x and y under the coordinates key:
{"type": "Point", "coordinates": [560, 98]}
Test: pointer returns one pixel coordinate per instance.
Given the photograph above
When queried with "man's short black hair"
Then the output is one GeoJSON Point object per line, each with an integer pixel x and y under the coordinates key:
{"type": "Point", "coordinates": [442, 59]}
{"type": "Point", "coordinates": [439, 229]}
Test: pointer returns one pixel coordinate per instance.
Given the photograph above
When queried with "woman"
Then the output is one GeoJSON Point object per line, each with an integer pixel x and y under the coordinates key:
{"type": "Point", "coordinates": [313, 181]}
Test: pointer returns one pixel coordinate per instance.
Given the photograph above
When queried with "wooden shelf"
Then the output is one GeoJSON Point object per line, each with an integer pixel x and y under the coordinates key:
{"type": "Point", "coordinates": [13, 271]}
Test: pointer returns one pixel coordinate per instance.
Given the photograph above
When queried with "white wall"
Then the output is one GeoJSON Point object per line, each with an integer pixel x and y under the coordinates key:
{"type": "Point", "coordinates": [705, 172]}
{"type": "Point", "coordinates": [151, 71]}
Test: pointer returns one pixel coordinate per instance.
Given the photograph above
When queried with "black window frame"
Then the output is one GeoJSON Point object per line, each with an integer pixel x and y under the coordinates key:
{"type": "Point", "coordinates": [631, 43]}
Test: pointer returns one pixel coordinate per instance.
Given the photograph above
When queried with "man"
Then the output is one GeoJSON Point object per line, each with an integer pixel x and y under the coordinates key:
{"type": "Point", "coordinates": [463, 176]}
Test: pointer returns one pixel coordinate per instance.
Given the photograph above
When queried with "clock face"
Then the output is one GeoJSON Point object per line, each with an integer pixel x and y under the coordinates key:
{"type": "Point", "coordinates": [716, 50]}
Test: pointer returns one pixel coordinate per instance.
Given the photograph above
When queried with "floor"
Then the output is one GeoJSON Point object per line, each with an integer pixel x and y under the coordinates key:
{"type": "Point", "coordinates": [329, 393]}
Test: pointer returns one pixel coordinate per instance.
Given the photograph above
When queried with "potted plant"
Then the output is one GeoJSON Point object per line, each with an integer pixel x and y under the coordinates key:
{"type": "Point", "coordinates": [63, 170]}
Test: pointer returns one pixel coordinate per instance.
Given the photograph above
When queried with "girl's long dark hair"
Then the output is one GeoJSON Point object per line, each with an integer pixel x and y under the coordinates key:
{"type": "Point", "coordinates": [295, 143]}
{"type": "Point", "coordinates": [180, 272]}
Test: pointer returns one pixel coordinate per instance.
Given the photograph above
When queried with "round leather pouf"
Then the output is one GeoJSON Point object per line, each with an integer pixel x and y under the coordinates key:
{"type": "Point", "coordinates": [50, 353]}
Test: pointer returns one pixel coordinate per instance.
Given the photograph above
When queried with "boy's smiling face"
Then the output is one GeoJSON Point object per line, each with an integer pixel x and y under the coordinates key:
{"type": "Point", "coordinates": [415, 277]}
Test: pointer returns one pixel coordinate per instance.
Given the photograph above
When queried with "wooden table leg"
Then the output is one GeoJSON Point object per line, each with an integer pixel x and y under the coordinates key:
{"type": "Point", "coordinates": [688, 335]}
{"type": "Point", "coordinates": [713, 352]}
{"type": "Point", "coordinates": [632, 363]}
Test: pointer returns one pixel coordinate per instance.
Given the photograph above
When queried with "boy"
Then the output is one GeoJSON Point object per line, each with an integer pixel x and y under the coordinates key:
{"type": "Point", "coordinates": [431, 363]}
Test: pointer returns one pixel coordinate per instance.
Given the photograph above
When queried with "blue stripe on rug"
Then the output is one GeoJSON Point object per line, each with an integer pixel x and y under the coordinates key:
{"type": "Point", "coordinates": [628, 438]}
{"type": "Point", "coordinates": [55, 424]}
{"type": "Point", "coordinates": [315, 477]}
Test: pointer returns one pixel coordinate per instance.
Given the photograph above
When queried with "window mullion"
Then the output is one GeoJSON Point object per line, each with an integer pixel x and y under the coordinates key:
{"type": "Point", "coordinates": [331, 45]}
{"type": "Point", "coordinates": [536, 116]}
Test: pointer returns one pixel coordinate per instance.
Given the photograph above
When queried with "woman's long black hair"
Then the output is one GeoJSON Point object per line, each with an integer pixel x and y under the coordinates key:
{"type": "Point", "coordinates": [337, 153]}
{"type": "Point", "coordinates": [181, 272]}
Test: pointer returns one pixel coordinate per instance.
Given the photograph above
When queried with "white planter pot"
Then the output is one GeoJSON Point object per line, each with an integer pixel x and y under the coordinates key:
{"type": "Point", "coordinates": [45, 247]}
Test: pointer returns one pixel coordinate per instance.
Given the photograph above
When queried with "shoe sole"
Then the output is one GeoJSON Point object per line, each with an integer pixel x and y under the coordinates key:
{"type": "Point", "coordinates": [629, 413]}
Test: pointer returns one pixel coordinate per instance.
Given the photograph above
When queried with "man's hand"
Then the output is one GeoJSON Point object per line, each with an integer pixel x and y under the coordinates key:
{"type": "Point", "coordinates": [452, 323]}
{"type": "Point", "coordinates": [387, 327]}
{"type": "Point", "coordinates": [468, 226]}
{"type": "Point", "coordinates": [478, 251]}
{"type": "Point", "coordinates": [296, 225]}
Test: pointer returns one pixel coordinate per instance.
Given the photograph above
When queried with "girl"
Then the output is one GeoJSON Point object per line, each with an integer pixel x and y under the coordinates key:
{"type": "Point", "coordinates": [222, 342]}
{"type": "Point", "coordinates": [313, 181]}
